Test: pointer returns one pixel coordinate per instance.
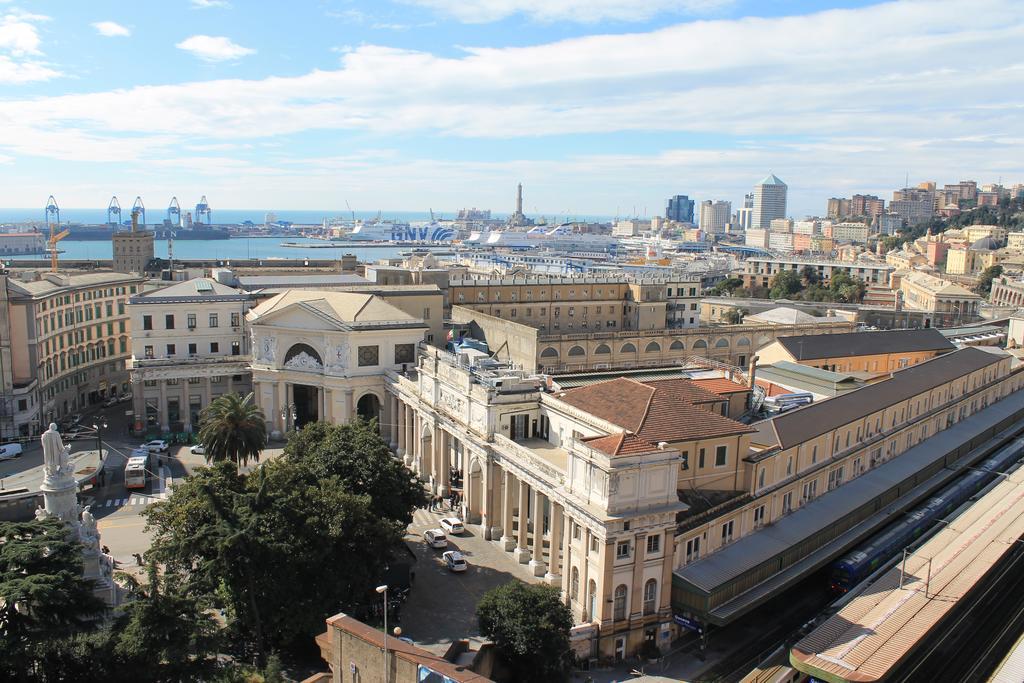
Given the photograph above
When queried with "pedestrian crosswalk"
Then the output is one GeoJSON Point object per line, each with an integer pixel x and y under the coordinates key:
{"type": "Point", "coordinates": [133, 500]}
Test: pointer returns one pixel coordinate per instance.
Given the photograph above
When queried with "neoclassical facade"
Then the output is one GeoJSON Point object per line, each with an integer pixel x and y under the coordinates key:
{"type": "Point", "coordinates": [322, 355]}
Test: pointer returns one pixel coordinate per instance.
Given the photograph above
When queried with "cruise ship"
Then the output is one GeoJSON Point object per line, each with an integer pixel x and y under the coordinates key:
{"type": "Point", "coordinates": [401, 232]}
{"type": "Point", "coordinates": [543, 237]}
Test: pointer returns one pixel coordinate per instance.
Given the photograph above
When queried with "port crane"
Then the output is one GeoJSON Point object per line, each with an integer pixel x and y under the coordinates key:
{"type": "Point", "coordinates": [174, 212]}
{"type": "Point", "coordinates": [138, 209]}
{"type": "Point", "coordinates": [114, 212]}
{"type": "Point", "coordinates": [52, 210]}
{"type": "Point", "coordinates": [203, 210]}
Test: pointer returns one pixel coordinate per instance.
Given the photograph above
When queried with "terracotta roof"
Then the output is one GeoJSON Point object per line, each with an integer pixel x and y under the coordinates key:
{"type": "Point", "coordinates": [664, 410]}
{"type": "Point", "coordinates": [620, 443]}
{"type": "Point", "coordinates": [720, 385]}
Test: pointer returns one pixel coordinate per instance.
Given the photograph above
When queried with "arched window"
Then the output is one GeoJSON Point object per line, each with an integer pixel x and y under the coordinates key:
{"type": "Point", "coordinates": [700, 344]}
{"type": "Point", "coordinates": [650, 596]}
{"type": "Point", "coordinates": [743, 341]}
{"type": "Point", "coordinates": [627, 348]}
{"type": "Point", "coordinates": [574, 584]}
{"type": "Point", "coordinates": [722, 343]}
{"type": "Point", "coordinates": [577, 351]}
{"type": "Point", "coordinates": [653, 347]}
{"type": "Point", "coordinates": [603, 348]}
{"type": "Point", "coordinates": [550, 352]}
{"type": "Point", "coordinates": [592, 600]}
{"type": "Point", "coordinates": [620, 602]}
{"type": "Point", "coordinates": [676, 346]}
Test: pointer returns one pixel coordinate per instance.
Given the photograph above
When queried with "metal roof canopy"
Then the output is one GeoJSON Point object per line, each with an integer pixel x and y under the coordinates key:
{"type": "Point", "coordinates": [719, 568]}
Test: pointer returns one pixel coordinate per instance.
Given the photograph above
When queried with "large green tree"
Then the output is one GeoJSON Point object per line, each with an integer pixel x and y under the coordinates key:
{"type": "Point", "coordinates": [785, 285]}
{"type": "Point", "coordinates": [356, 454]}
{"type": "Point", "coordinates": [529, 625]}
{"type": "Point", "coordinates": [984, 286]}
{"type": "Point", "coordinates": [304, 536]}
{"type": "Point", "coordinates": [233, 429]}
{"type": "Point", "coordinates": [43, 596]}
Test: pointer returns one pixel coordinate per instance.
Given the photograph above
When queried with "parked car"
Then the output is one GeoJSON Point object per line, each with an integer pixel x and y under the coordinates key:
{"type": "Point", "coordinates": [198, 449]}
{"type": "Point", "coordinates": [74, 434]}
{"type": "Point", "coordinates": [455, 560]}
{"type": "Point", "coordinates": [126, 396]}
{"type": "Point", "coordinates": [10, 451]}
{"type": "Point", "coordinates": [453, 525]}
{"type": "Point", "coordinates": [435, 538]}
{"type": "Point", "coordinates": [156, 446]}
{"type": "Point", "coordinates": [112, 401]}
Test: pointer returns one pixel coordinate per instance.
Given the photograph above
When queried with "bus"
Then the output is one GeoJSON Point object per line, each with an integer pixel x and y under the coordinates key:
{"type": "Point", "coordinates": [136, 471]}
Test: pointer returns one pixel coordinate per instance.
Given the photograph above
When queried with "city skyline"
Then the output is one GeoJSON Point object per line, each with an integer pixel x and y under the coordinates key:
{"type": "Point", "coordinates": [597, 108]}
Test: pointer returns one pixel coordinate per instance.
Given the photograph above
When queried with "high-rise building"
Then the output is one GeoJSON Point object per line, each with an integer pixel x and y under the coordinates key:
{"type": "Point", "coordinates": [769, 201]}
{"type": "Point", "coordinates": [744, 218]}
{"type": "Point", "coordinates": [748, 201]}
{"type": "Point", "coordinates": [838, 207]}
{"type": "Point", "coordinates": [680, 208]}
{"type": "Point", "coordinates": [867, 205]}
{"type": "Point", "coordinates": [714, 216]}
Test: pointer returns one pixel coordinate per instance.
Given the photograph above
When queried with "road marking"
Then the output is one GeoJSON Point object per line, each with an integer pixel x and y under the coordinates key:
{"type": "Point", "coordinates": [117, 524]}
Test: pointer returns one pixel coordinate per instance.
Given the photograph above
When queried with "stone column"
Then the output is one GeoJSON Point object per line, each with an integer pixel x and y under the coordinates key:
{"type": "Point", "coordinates": [566, 567]}
{"type": "Point", "coordinates": [507, 541]}
{"type": "Point", "coordinates": [207, 391]}
{"type": "Point", "coordinates": [162, 414]}
{"type": "Point", "coordinates": [537, 563]}
{"type": "Point", "coordinates": [416, 460]}
{"type": "Point", "coordinates": [487, 480]}
{"type": "Point", "coordinates": [585, 577]}
{"type": "Point", "coordinates": [328, 415]}
{"type": "Point", "coordinates": [184, 407]}
{"type": "Point", "coordinates": [138, 401]}
{"type": "Point", "coordinates": [554, 561]}
{"type": "Point", "coordinates": [522, 552]}
{"type": "Point", "coordinates": [401, 429]}
{"type": "Point", "coordinates": [282, 401]}
{"type": "Point", "coordinates": [349, 414]}
{"type": "Point", "coordinates": [231, 385]}
{"type": "Point", "coordinates": [393, 422]}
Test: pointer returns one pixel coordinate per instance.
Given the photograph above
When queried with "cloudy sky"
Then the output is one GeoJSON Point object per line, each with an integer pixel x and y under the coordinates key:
{"type": "Point", "coordinates": [596, 106]}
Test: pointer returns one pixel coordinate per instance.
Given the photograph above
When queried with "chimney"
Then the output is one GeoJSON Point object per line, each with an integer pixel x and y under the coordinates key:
{"type": "Point", "coordinates": [752, 370]}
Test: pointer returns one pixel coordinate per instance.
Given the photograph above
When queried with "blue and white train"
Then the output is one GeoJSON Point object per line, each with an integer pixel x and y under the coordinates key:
{"type": "Point", "coordinates": [858, 564]}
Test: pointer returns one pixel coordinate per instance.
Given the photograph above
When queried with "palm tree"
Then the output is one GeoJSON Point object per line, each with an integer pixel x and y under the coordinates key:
{"type": "Point", "coordinates": [234, 429]}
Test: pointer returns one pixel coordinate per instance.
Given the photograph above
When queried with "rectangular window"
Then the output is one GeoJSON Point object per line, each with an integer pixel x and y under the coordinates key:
{"type": "Point", "coordinates": [214, 347]}
{"type": "Point", "coordinates": [170, 349]}
{"type": "Point", "coordinates": [810, 490]}
{"type": "Point", "coordinates": [213, 320]}
{"type": "Point", "coordinates": [236, 319]}
{"type": "Point", "coordinates": [235, 349]}
{"type": "Point", "coordinates": [653, 544]}
{"type": "Point", "coordinates": [685, 462]}
{"type": "Point", "coordinates": [787, 503]}
{"type": "Point", "coordinates": [192, 349]}
{"type": "Point", "coordinates": [759, 516]}
{"type": "Point", "coordinates": [149, 351]}
{"type": "Point", "coordinates": [693, 550]}
{"type": "Point", "coordinates": [405, 353]}
{"type": "Point", "coordinates": [369, 356]}
{"type": "Point", "coordinates": [700, 459]}
{"type": "Point", "coordinates": [169, 321]}
{"type": "Point", "coordinates": [190, 319]}
{"type": "Point", "coordinates": [147, 322]}
{"type": "Point", "coordinates": [622, 550]}
{"type": "Point", "coordinates": [721, 456]}
{"type": "Point", "coordinates": [727, 532]}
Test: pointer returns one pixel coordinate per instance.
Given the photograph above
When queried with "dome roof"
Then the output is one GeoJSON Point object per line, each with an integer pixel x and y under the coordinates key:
{"type": "Point", "coordinates": [986, 243]}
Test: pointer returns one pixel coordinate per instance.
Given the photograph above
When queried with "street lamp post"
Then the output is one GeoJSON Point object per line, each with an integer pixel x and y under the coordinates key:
{"type": "Point", "coordinates": [384, 591]}
{"type": "Point", "coordinates": [99, 426]}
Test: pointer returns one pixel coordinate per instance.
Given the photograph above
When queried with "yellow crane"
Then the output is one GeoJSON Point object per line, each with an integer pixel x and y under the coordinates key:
{"type": "Point", "coordinates": [53, 246]}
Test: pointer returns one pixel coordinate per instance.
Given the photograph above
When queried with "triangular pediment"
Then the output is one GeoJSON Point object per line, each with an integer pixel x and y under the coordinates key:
{"type": "Point", "coordinates": [301, 316]}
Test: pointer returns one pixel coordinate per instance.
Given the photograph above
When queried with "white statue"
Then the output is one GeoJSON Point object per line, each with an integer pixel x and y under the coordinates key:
{"type": "Point", "coordinates": [41, 513]}
{"type": "Point", "coordinates": [87, 532]}
{"type": "Point", "coordinates": [268, 349]}
{"type": "Point", "coordinates": [56, 456]}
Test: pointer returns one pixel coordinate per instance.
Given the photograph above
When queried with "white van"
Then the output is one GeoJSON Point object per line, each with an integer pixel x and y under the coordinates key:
{"type": "Point", "coordinates": [10, 451]}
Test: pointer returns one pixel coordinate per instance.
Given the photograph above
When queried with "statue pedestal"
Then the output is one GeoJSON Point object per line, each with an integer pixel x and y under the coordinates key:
{"type": "Point", "coordinates": [60, 498]}
{"type": "Point", "coordinates": [99, 569]}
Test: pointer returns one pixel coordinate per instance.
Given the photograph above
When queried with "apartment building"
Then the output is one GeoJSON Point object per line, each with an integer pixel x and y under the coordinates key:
{"type": "Point", "coordinates": [63, 345]}
{"type": "Point", "coordinates": [851, 232]}
{"type": "Point", "coordinates": [553, 304]}
{"type": "Point", "coordinates": [190, 345]}
{"type": "Point", "coordinates": [714, 216]}
{"type": "Point", "coordinates": [758, 271]}
{"type": "Point", "coordinates": [818, 472]}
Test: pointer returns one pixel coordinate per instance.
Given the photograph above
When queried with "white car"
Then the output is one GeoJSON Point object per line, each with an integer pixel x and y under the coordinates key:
{"type": "Point", "coordinates": [453, 525]}
{"type": "Point", "coordinates": [455, 560]}
{"type": "Point", "coordinates": [156, 446]}
{"type": "Point", "coordinates": [126, 396]}
{"type": "Point", "coordinates": [198, 449]}
{"type": "Point", "coordinates": [435, 538]}
{"type": "Point", "coordinates": [10, 451]}
{"type": "Point", "coordinates": [112, 401]}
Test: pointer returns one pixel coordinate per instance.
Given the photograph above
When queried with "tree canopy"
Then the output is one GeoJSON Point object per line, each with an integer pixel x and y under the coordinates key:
{"type": "Point", "coordinates": [785, 285]}
{"type": "Point", "coordinates": [984, 286]}
{"type": "Point", "coordinates": [43, 595]}
{"type": "Point", "coordinates": [529, 625]}
{"type": "Point", "coordinates": [233, 429]}
{"type": "Point", "coordinates": [304, 536]}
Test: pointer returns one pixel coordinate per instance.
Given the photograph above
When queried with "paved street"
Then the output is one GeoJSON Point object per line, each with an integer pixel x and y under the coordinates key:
{"type": "Point", "coordinates": [442, 604]}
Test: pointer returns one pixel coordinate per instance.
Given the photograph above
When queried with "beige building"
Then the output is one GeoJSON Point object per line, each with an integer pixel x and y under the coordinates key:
{"type": "Point", "coordinates": [63, 343]}
{"type": "Point", "coordinates": [575, 352]}
{"type": "Point", "coordinates": [22, 243]}
{"type": "Point", "coordinates": [190, 345]}
{"type": "Point", "coordinates": [133, 250]}
{"type": "Point", "coordinates": [558, 304]}
{"type": "Point", "coordinates": [758, 271]}
{"type": "Point", "coordinates": [322, 355]}
{"type": "Point", "coordinates": [950, 303]}
{"type": "Point", "coordinates": [851, 232]}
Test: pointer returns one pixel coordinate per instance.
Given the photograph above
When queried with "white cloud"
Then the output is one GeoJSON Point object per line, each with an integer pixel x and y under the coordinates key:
{"type": "Point", "coordinates": [20, 49]}
{"type": "Point", "coordinates": [835, 101]}
{"type": "Point", "coordinates": [206, 4]}
{"type": "Point", "coordinates": [587, 11]}
{"type": "Point", "coordinates": [111, 29]}
{"type": "Point", "coordinates": [214, 48]}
